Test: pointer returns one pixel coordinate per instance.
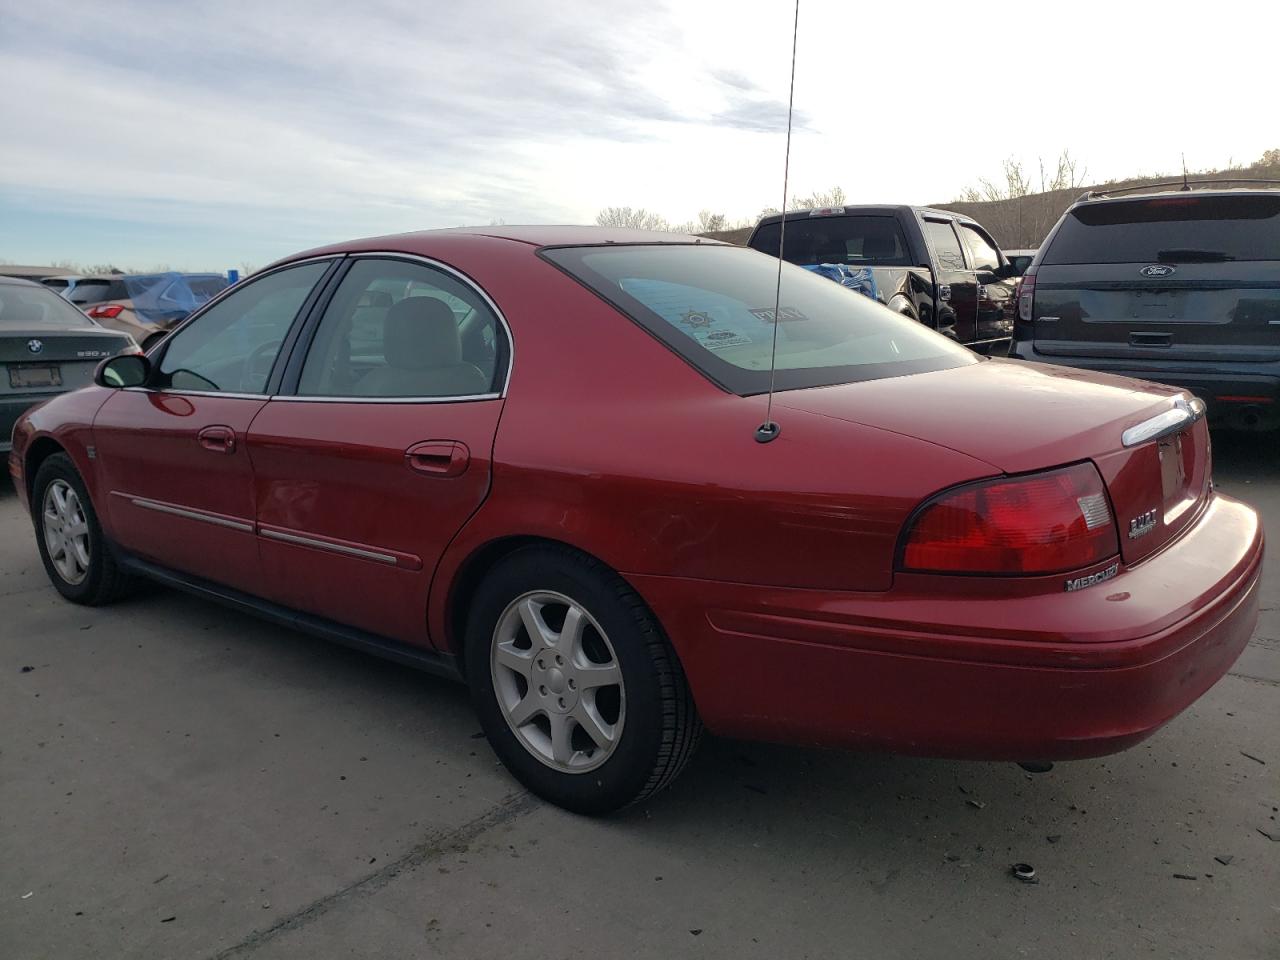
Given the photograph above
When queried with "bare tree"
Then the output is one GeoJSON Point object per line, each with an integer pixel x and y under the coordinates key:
{"type": "Point", "coordinates": [1015, 210]}
{"type": "Point", "coordinates": [636, 219]}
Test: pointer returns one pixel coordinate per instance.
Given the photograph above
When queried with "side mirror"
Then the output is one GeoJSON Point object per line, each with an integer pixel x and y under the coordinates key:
{"type": "Point", "coordinates": [125, 370]}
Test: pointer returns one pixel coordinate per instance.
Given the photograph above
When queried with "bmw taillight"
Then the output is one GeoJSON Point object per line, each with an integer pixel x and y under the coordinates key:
{"type": "Point", "coordinates": [1026, 296]}
{"type": "Point", "coordinates": [1050, 522]}
{"type": "Point", "coordinates": [105, 311]}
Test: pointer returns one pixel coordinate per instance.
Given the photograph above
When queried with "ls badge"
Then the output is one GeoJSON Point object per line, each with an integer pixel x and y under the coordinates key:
{"type": "Point", "coordinates": [1143, 524]}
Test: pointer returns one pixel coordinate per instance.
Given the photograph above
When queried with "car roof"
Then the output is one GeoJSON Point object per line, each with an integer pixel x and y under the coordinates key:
{"type": "Point", "coordinates": [20, 282]}
{"type": "Point", "coordinates": [438, 243]}
{"type": "Point", "coordinates": [1123, 196]}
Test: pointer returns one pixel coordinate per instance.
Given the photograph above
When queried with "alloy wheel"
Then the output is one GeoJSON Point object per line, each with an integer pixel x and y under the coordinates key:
{"type": "Point", "coordinates": [66, 531]}
{"type": "Point", "coordinates": [558, 681]}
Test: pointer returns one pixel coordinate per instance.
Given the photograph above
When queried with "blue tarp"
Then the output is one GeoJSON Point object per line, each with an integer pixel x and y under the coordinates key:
{"type": "Point", "coordinates": [860, 279]}
{"type": "Point", "coordinates": [165, 298]}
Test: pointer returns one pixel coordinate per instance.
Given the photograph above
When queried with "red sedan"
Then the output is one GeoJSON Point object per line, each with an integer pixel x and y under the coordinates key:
{"type": "Point", "coordinates": [527, 457]}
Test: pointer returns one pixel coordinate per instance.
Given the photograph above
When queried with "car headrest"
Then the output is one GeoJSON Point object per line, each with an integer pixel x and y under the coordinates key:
{"type": "Point", "coordinates": [375, 298]}
{"type": "Point", "coordinates": [421, 332]}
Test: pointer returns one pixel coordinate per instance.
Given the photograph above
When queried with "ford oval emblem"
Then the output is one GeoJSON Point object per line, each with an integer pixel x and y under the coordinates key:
{"type": "Point", "coordinates": [35, 346]}
{"type": "Point", "coordinates": [1158, 270]}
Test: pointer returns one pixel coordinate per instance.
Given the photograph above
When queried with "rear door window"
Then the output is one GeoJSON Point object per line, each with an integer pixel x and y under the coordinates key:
{"type": "Point", "coordinates": [1178, 228]}
{"type": "Point", "coordinates": [873, 241]}
{"type": "Point", "coordinates": [90, 291]}
{"type": "Point", "coordinates": [982, 254]}
{"type": "Point", "coordinates": [946, 246]}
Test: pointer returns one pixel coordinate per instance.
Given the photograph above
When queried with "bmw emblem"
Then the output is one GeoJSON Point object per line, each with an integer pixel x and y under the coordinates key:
{"type": "Point", "coordinates": [35, 346]}
{"type": "Point", "coordinates": [1158, 270]}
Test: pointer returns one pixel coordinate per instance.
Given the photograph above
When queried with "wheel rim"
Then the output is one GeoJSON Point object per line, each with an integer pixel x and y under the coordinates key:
{"type": "Point", "coordinates": [558, 682]}
{"type": "Point", "coordinates": [66, 531]}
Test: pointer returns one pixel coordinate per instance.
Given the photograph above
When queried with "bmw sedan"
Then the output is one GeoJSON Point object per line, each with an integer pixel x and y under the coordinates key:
{"type": "Point", "coordinates": [47, 347]}
{"type": "Point", "coordinates": [547, 462]}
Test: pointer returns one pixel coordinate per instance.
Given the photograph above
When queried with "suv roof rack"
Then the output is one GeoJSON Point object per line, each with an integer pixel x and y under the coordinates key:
{"type": "Point", "coordinates": [1183, 184]}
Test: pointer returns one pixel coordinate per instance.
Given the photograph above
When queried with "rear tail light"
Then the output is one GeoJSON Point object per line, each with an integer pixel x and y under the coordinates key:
{"type": "Point", "coordinates": [105, 311]}
{"type": "Point", "coordinates": [1048, 522]}
{"type": "Point", "coordinates": [1026, 296]}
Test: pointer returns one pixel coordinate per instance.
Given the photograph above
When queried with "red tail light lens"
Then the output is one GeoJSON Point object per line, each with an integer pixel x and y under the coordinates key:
{"type": "Point", "coordinates": [1048, 522]}
{"type": "Point", "coordinates": [108, 311]}
{"type": "Point", "coordinates": [1026, 296]}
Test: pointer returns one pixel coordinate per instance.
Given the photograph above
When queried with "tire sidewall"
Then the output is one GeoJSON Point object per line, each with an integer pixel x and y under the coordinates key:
{"type": "Point", "coordinates": [60, 467]}
{"type": "Point", "coordinates": [625, 773]}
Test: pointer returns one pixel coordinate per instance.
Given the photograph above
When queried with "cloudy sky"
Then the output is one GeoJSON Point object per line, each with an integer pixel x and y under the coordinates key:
{"type": "Point", "coordinates": [207, 135]}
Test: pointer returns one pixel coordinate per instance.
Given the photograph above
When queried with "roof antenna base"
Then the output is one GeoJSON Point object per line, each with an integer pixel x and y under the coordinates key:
{"type": "Point", "coordinates": [767, 431]}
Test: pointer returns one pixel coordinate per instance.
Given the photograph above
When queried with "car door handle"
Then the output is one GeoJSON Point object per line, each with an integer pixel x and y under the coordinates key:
{"type": "Point", "coordinates": [944, 291]}
{"type": "Point", "coordinates": [438, 458]}
{"type": "Point", "coordinates": [219, 439]}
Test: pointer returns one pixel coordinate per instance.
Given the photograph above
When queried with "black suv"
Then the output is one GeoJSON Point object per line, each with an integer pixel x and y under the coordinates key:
{"type": "Point", "coordinates": [1181, 286]}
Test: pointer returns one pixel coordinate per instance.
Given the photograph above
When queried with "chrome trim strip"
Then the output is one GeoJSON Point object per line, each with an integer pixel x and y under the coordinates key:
{"type": "Point", "coordinates": [191, 514]}
{"type": "Point", "coordinates": [1183, 413]}
{"type": "Point", "coordinates": [199, 393]}
{"type": "Point", "coordinates": [454, 271]}
{"type": "Point", "coordinates": [331, 547]}
{"type": "Point", "coordinates": [293, 398]}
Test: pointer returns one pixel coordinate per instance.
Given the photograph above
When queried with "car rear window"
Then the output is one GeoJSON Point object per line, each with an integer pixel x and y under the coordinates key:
{"type": "Point", "coordinates": [860, 241]}
{"type": "Point", "coordinates": [96, 291]}
{"type": "Point", "coordinates": [714, 305]}
{"type": "Point", "coordinates": [1177, 228]}
{"type": "Point", "coordinates": [25, 308]}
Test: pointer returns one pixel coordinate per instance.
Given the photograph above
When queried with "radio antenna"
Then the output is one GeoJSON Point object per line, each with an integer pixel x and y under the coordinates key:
{"type": "Point", "coordinates": [769, 430]}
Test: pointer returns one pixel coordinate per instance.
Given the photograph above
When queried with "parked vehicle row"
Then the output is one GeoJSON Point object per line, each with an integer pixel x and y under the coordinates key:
{"type": "Point", "coordinates": [528, 458]}
{"type": "Point", "coordinates": [145, 306]}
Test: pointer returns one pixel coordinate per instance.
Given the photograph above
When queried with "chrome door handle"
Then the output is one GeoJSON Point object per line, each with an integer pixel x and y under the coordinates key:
{"type": "Point", "coordinates": [218, 439]}
{"type": "Point", "coordinates": [438, 458]}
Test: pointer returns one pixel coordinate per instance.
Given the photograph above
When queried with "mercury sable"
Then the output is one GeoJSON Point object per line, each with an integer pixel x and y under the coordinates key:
{"type": "Point", "coordinates": [527, 457]}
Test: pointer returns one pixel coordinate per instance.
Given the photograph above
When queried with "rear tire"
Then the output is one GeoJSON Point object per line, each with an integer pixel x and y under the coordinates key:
{"type": "Point", "coordinates": [576, 687]}
{"type": "Point", "coordinates": [74, 552]}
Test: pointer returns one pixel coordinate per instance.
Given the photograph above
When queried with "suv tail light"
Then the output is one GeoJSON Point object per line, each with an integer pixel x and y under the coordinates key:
{"type": "Point", "coordinates": [1050, 522]}
{"type": "Point", "coordinates": [1026, 296]}
{"type": "Point", "coordinates": [107, 311]}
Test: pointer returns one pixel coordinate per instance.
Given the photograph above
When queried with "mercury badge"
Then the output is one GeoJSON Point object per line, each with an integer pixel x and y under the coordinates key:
{"type": "Point", "coordinates": [1143, 524]}
{"type": "Point", "coordinates": [35, 346]}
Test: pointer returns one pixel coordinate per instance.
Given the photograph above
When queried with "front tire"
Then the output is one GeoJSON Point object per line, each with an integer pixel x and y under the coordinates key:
{"type": "Point", "coordinates": [69, 537]}
{"type": "Point", "coordinates": [576, 687]}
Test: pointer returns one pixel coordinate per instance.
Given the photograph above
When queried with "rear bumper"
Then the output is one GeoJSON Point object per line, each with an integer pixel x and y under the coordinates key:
{"type": "Point", "coordinates": [1055, 676]}
{"type": "Point", "coordinates": [1230, 389]}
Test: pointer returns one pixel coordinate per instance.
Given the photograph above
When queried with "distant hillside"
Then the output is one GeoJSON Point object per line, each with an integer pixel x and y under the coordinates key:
{"type": "Point", "coordinates": [1019, 222]}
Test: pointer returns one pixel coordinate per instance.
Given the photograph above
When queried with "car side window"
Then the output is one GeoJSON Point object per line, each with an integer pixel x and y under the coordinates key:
{"type": "Point", "coordinates": [399, 329]}
{"type": "Point", "coordinates": [946, 246]}
{"type": "Point", "coordinates": [231, 347]}
{"type": "Point", "coordinates": [981, 252]}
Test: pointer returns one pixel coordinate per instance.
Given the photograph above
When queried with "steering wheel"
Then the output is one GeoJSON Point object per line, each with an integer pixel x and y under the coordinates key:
{"type": "Point", "coordinates": [260, 351]}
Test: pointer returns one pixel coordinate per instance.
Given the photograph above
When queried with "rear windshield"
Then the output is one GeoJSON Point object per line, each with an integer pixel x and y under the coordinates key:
{"type": "Point", "coordinates": [28, 308]}
{"type": "Point", "coordinates": [862, 241]}
{"type": "Point", "coordinates": [714, 305]}
{"type": "Point", "coordinates": [1173, 229]}
{"type": "Point", "coordinates": [96, 291]}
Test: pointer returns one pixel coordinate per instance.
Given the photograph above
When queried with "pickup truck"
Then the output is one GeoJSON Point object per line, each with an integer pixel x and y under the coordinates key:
{"type": "Point", "coordinates": [940, 268]}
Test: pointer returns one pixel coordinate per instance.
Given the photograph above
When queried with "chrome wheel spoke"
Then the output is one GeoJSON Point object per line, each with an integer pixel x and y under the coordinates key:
{"type": "Point", "coordinates": [561, 738]}
{"type": "Point", "coordinates": [78, 528]}
{"type": "Point", "coordinates": [524, 711]}
{"type": "Point", "coordinates": [518, 661]}
{"type": "Point", "coordinates": [589, 719]}
{"type": "Point", "coordinates": [569, 642]}
{"type": "Point", "coordinates": [598, 675]}
{"type": "Point", "coordinates": [539, 632]}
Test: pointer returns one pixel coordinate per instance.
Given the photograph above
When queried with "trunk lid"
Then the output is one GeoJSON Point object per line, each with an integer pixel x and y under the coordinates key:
{"type": "Point", "coordinates": [1176, 277]}
{"type": "Point", "coordinates": [1024, 417]}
